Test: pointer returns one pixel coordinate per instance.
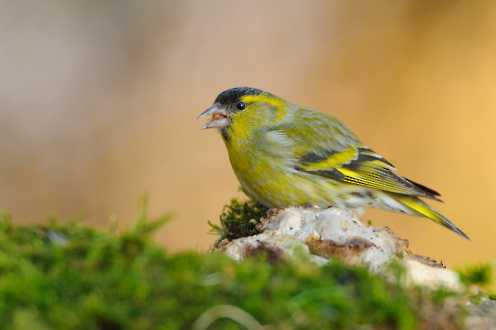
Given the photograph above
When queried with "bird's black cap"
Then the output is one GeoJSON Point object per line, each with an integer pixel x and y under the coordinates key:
{"type": "Point", "coordinates": [232, 95]}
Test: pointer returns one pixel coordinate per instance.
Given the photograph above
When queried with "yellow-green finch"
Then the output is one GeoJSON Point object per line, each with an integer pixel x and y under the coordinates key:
{"type": "Point", "coordinates": [286, 155]}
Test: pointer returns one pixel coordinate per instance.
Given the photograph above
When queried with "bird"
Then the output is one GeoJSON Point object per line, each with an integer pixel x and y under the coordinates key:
{"type": "Point", "coordinates": [287, 155]}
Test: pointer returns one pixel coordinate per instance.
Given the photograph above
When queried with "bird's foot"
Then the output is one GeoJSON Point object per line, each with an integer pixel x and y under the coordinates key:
{"type": "Point", "coordinates": [273, 212]}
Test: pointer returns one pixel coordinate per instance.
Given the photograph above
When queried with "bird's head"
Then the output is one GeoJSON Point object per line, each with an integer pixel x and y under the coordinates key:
{"type": "Point", "coordinates": [243, 106]}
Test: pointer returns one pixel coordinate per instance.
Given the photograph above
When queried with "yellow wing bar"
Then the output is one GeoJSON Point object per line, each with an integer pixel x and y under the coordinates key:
{"type": "Point", "coordinates": [364, 167]}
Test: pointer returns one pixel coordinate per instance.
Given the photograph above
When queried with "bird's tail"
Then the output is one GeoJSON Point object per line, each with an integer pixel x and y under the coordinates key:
{"type": "Point", "coordinates": [418, 207]}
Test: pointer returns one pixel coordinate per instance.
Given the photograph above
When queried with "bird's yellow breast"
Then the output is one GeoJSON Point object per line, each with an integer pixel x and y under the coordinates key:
{"type": "Point", "coordinates": [268, 177]}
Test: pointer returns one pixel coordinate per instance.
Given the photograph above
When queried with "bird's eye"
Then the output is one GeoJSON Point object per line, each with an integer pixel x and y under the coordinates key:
{"type": "Point", "coordinates": [240, 105]}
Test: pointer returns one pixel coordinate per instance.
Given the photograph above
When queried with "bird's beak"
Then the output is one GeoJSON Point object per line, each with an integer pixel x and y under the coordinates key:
{"type": "Point", "coordinates": [218, 117]}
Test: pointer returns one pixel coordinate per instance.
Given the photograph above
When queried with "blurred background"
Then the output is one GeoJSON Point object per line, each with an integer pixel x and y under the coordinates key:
{"type": "Point", "coordinates": [98, 101]}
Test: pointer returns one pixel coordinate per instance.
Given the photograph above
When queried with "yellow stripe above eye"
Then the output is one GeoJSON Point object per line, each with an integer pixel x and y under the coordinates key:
{"type": "Point", "coordinates": [277, 103]}
{"type": "Point", "coordinates": [274, 101]}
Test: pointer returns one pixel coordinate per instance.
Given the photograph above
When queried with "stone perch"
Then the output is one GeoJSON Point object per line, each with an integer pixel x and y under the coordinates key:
{"type": "Point", "coordinates": [323, 234]}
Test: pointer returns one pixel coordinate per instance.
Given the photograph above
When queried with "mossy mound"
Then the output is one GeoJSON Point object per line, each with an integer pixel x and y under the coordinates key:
{"type": "Point", "coordinates": [74, 277]}
{"type": "Point", "coordinates": [239, 219]}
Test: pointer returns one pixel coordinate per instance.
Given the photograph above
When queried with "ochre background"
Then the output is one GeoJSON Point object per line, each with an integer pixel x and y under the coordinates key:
{"type": "Point", "coordinates": [98, 101]}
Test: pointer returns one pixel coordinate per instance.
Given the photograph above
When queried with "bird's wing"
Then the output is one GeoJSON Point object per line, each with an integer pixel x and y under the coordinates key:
{"type": "Point", "coordinates": [364, 167]}
{"type": "Point", "coordinates": [325, 147]}
{"type": "Point", "coordinates": [315, 132]}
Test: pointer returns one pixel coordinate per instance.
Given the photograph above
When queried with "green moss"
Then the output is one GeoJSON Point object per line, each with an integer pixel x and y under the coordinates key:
{"type": "Point", "coordinates": [479, 281]}
{"type": "Point", "coordinates": [477, 275]}
{"type": "Point", "coordinates": [239, 219]}
{"type": "Point", "coordinates": [68, 276]}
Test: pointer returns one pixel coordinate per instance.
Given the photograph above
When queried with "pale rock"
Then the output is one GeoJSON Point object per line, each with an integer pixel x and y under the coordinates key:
{"type": "Point", "coordinates": [321, 235]}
